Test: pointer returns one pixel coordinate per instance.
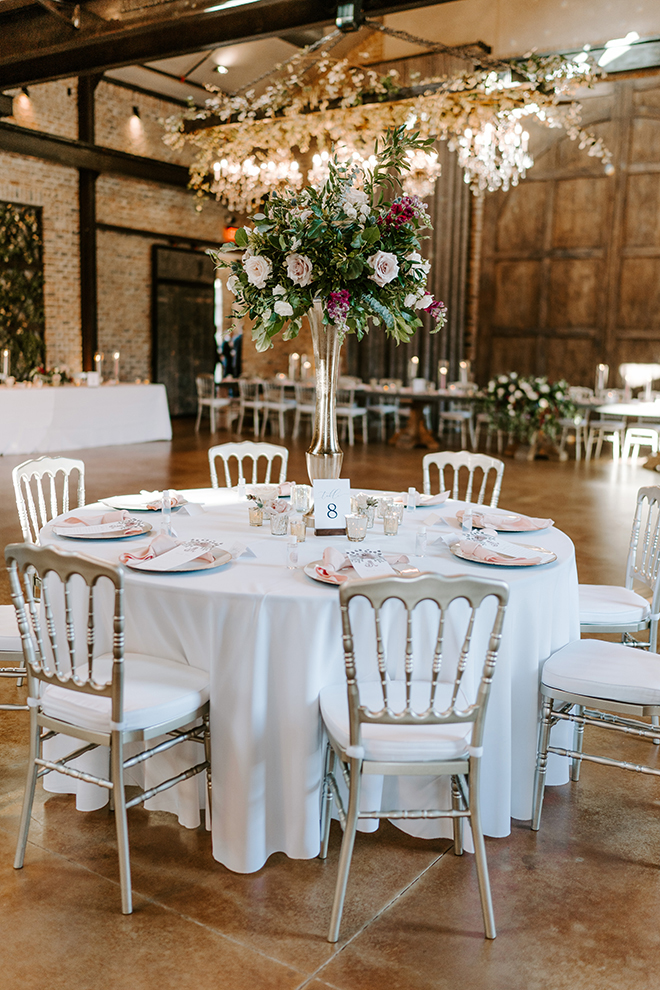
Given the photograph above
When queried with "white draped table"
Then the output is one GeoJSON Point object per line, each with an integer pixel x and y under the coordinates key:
{"type": "Point", "coordinates": [271, 639]}
{"type": "Point", "coordinates": [42, 420]}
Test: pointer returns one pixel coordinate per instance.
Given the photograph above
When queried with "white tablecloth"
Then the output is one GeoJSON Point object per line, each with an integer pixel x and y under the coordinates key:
{"type": "Point", "coordinates": [634, 408]}
{"type": "Point", "coordinates": [270, 638]}
{"type": "Point", "coordinates": [42, 420]}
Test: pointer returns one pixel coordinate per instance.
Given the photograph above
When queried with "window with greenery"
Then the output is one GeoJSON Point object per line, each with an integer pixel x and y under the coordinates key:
{"type": "Point", "coordinates": [22, 287]}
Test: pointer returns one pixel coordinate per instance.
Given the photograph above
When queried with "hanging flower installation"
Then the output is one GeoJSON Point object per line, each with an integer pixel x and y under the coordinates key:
{"type": "Point", "coordinates": [243, 142]}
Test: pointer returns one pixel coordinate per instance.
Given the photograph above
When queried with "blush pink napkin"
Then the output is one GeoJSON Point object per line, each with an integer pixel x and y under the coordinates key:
{"type": "Point", "coordinates": [284, 490]}
{"type": "Point", "coordinates": [100, 519]}
{"type": "Point", "coordinates": [159, 545]}
{"type": "Point", "coordinates": [335, 560]}
{"type": "Point", "coordinates": [423, 500]}
{"type": "Point", "coordinates": [175, 499]}
{"type": "Point", "coordinates": [511, 522]}
{"type": "Point", "coordinates": [477, 551]}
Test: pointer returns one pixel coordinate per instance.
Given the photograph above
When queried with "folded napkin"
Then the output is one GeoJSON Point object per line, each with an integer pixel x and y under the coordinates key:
{"type": "Point", "coordinates": [159, 545]}
{"type": "Point", "coordinates": [284, 490]}
{"type": "Point", "coordinates": [511, 522]}
{"type": "Point", "coordinates": [101, 519]}
{"type": "Point", "coordinates": [424, 499]}
{"type": "Point", "coordinates": [157, 503]}
{"type": "Point", "coordinates": [471, 548]}
{"type": "Point", "coordinates": [335, 561]}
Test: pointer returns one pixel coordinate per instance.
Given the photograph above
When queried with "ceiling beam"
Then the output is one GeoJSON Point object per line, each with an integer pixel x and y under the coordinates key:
{"type": "Point", "coordinates": [81, 154]}
{"type": "Point", "coordinates": [36, 47]}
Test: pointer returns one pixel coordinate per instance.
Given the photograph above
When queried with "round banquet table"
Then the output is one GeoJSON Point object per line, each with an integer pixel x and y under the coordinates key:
{"type": "Point", "coordinates": [270, 638]}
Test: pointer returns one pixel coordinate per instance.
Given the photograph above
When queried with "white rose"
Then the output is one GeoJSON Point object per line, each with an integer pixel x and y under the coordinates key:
{"type": "Point", "coordinates": [279, 290]}
{"type": "Point", "coordinates": [424, 301]}
{"type": "Point", "coordinates": [299, 269]}
{"type": "Point", "coordinates": [410, 300]}
{"type": "Point", "coordinates": [419, 262]}
{"type": "Point", "coordinates": [356, 197]}
{"type": "Point", "coordinates": [283, 308]}
{"type": "Point", "coordinates": [543, 403]}
{"type": "Point", "coordinates": [386, 267]}
{"type": "Point", "coordinates": [233, 284]}
{"type": "Point", "coordinates": [258, 269]}
{"type": "Point", "coordinates": [350, 211]}
{"type": "Point", "coordinates": [544, 388]}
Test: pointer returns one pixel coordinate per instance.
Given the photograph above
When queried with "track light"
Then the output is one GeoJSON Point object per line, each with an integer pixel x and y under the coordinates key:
{"type": "Point", "coordinates": [136, 112]}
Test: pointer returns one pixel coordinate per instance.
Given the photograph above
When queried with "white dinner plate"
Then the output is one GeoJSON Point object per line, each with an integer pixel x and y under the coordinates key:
{"type": "Point", "coordinates": [310, 571]}
{"type": "Point", "coordinates": [221, 557]}
{"type": "Point", "coordinates": [134, 503]}
{"type": "Point", "coordinates": [548, 554]}
{"type": "Point", "coordinates": [114, 534]}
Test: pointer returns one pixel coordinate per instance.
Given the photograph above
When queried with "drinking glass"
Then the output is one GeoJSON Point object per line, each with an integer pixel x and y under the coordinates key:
{"type": "Point", "coordinates": [390, 523]}
{"type": "Point", "coordinates": [356, 527]}
{"type": "Point", "coordinates": [279, 523]}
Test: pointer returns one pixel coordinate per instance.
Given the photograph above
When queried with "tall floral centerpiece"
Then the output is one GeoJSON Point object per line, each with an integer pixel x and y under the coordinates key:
{"type": "Point", "coordinates": [346, 254]}
{"type": "Point", "coordinates": [522, 406]}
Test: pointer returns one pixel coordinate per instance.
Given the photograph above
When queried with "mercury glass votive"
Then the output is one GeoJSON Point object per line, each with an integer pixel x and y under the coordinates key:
{"type": "Point", "coordinates": [356, 527]}
{"type": "Point", "coordinates": [255, 515]}
{"type": "Point", "coordinates": [390, 523]}
{"type": "Point", "coordinates": [279, 523]}
{"type": "Point", "coordinates": [298, 529]}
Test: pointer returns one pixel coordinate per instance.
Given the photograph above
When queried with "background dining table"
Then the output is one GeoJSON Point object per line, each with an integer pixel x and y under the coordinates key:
{"type": "Point", "coordinates": [270, 638]}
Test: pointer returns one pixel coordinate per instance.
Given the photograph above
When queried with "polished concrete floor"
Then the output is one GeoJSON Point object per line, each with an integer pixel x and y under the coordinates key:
{"type": "Point", "coordinates": [577, 904]}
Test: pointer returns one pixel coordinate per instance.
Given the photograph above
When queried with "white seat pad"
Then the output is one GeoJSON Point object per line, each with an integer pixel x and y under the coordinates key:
{"type": "Point", "coordinates": [10, 638]}
{"type": "Point", "coordinates": [609, 671]}
{"type": "Point", "coordinates": [608, 603]}
{"type": "Point", "coordinates": [155, 691]}
{"type": "Point", "coordinates": [397, 743]}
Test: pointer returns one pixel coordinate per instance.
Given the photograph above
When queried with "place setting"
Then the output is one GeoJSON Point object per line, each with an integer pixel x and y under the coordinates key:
{"type": "Point", "coordinates": [118, 525]}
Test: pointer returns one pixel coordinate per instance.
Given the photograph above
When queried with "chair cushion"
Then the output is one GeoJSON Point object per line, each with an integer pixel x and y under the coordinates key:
{"type": "Point", "coordinates": [609, 671]}
{"type": "Point", "coordinates": [397, 743]}
{"type": "Point", "coordinates": [10, 638]}
{"type": "Point", "coordinates": [155, 691]}
{"type": "Point", "coordinates": [608, 603]}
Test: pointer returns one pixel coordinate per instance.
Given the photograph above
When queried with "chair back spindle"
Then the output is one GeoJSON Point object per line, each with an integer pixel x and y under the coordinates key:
{"type": "Point", "coordinates": [36, 485]}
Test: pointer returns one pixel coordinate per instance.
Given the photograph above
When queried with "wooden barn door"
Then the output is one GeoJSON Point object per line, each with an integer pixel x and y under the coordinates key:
{"type": "Point", "coordinates": [571, 257]}
{"type": "Point", "coordinates": [183, 333]}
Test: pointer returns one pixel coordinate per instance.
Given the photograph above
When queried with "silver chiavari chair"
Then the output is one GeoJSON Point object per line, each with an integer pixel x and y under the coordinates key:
{"type": "Point", "coordinates": [461, 461]}
{"type": "Point", "coordinates": [106, 699]}
{"type": "Point", "coordinates": [43, 490]}
{"type": "Point", "coordinates": [253, 453]}
{"type": "Point", "coordinates": [405, 717]}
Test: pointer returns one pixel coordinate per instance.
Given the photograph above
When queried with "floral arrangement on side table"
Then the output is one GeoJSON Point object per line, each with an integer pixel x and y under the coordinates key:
{"type": "Point", "coordinates": [522, 406]}
{"type": "Point", "coordinates": [342, 242]}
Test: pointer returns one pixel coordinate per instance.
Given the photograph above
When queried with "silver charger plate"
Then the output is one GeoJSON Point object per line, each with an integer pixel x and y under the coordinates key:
{"type": "Point", "coordinates": [115, 534]}
{"type": "Point", "coordinates": [550, 554]}
{"type": "Point", "coordinates": [222, 557]}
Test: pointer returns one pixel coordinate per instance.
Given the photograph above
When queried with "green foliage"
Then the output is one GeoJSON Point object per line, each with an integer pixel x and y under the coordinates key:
{"type": "Point", "coordinates": [21, 287]}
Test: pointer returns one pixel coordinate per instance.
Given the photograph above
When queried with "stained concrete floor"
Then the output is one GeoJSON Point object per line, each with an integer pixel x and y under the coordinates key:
{"type": "Point", "coordinates": [576, 904]}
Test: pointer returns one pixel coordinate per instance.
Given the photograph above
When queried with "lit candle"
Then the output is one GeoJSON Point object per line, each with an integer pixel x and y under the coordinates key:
{"type": "Point", "coordinates": [115, 373]}
{"type": "Point", "coordinates": [442, 374]}
{"type": "Point", "coordinates": [98, 359]}
{"type": "Point", "coordinates": [413, 367]}
{"type": "Point", "coordinates": [5, 363]}
{"type": "Point", "coordinates": [306, 369]}
{"type": "Point", "coordinates": [294, 366]}
{"type": "Point", "coordinates": [464, 367]}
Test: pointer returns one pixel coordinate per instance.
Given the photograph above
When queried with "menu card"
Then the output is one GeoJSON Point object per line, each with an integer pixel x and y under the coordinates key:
{"type": "Point", "coordinates": [369, 563]}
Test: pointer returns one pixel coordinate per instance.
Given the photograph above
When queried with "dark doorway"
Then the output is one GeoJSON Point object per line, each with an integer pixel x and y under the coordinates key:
{"type": "Point", "coordinates": [183, 332]}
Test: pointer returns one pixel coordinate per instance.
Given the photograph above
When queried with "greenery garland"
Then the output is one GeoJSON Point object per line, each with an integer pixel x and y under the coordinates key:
{"type": "Point", "coordinates": [22, 320]}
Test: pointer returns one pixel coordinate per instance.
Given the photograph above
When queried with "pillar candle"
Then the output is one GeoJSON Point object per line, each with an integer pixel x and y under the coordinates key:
{"type": "Point", "coordinates": [115, 373]}
{"type": "Point", "coordinates": [294, 366]}
{"type": "Point", "coordinates": [5, 363]}
{"type": "Point", "coordinates": [98, 360]}
{"type": "Point", "coordinates": [442, 374]}
{"type": "Point", "coordinates": [464, 367]}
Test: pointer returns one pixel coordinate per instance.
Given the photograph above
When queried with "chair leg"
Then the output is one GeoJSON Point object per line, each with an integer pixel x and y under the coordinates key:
{"type": "Point", "coordinates": [599, 443]}
{"type": "Point", "coordinates": [326, 800]}
{"type": "Point", "coordinates": [616, 445]}
{"type": "Point", "coordinates": [346, 852]}
{"type": "Point", "coordinates": [457, 823]}
{"type": "Point", "coordinates": [121, 822]}
{"type": "Point", "coordinates": [28, 797]}
{"type": "Point", "coordinates": [578, 443]}
{"type": "Point", "coordinates": [541, 763]}
{"type": "Point", "coordinates": [351, 432]}
{"type": "Point", "coordinates": [480, 850]}
{"type": "Point", "coordinates": [209, 782]}
{"type": "Point", "coordinates": [365, 431]}
{"type": "Point", "coordinates": [296, 424]}
{"type": "Point", "coordinates": [240, 420]}
{"type": "Point", "coordinates": [199, 417]}
{"type": "Point", "coordinates": [212, 418]}
{"type": "Point", "coordinates": [578, 741]}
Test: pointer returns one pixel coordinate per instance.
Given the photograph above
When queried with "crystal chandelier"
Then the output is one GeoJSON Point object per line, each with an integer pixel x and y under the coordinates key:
{"type": "Point", "coordinates": [495, 156]}
{"type": "Point", "coordinates": [424, 171]}
{"type": "Point", "coordinates": [242, 185]}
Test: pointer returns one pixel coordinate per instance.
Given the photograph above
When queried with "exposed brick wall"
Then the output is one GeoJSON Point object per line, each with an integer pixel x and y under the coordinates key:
{"type": "Point", "coordinates": [117, 128]}
{"type": "Point", "coordinates": [55, 188]}
{"type": "Point", "coordinates": [51, 107]}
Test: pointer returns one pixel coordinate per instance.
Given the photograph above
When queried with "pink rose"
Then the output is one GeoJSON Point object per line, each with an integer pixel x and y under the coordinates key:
{"type": "Point", "coordinates": [299, 269]}
{"type": "Point", "coordinates": [257, 269]}
{"type": "Point", "coordinates": [385, 266]}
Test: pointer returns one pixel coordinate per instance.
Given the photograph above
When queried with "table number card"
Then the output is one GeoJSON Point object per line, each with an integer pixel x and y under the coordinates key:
{"type": "Point", "coordinates": [332, 503]}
